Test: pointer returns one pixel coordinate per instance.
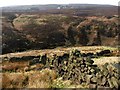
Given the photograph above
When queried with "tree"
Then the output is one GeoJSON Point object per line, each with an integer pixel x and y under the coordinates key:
{"type": "Point", "coordinates": [83, 38]}
{"type": "Point", "coordinates": [97, 39]}
{"type": "Point", "coordinates": [70, 33]}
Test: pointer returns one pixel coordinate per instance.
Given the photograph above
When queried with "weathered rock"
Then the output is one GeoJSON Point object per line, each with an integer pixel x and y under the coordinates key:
{"type": "Point", "coordinates": [92, 86]}
{"type": "Point", "coordinates": [88, 77]}
{"type": "Point", "coordinates": [115, 82]}
{"type": "Point", "coordinates": [92, 70]}
{"type": "Point", "coordinates": [105, 72]}
{"type": "Point", "coordinates": [110, 83]}
{"type": "Point", "coordinates": [94, 79]}
{"type": "Point", "coordinates": [104, 80]}
{"type": "Point", "coordinates": [81, 70]}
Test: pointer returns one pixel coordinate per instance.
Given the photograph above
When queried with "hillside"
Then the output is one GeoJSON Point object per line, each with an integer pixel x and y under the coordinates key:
{"type": "Point", "coordinates": [49, 26]}
{"type": "Point", "coordinates": [35, 31]}
{"type": "Point", "coordinates": [60, 46]}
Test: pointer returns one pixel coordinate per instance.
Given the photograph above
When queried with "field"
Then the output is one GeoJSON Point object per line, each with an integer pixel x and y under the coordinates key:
{"type": "Point", "coordinates": [18, 73]}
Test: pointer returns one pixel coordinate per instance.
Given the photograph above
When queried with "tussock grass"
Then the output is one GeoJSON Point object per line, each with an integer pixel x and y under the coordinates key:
{"type": "Point", "coordinates": [31, 79]}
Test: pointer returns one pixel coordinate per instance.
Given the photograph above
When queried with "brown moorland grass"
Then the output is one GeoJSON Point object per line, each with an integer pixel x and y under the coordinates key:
{"type": "Point", "coordinates": [59, 51]}
{"type": "Point", "coordinates": [31, 79]}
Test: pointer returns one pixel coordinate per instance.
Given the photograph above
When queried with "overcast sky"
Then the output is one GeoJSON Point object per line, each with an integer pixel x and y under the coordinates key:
{"type": "Point", "coordinates": [32, 2]}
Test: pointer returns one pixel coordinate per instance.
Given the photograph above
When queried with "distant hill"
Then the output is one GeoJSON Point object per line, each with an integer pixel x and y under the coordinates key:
{"type": "Point", "coordinates": [49, 26]}
{"type": "Point", "coordinates": [71, 9]}
{"type": "Point", "coordinates": [35, 8]}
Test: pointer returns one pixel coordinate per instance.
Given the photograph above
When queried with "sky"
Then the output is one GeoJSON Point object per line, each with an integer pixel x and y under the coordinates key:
{"type": "Point", "coordinates": [32, 2]}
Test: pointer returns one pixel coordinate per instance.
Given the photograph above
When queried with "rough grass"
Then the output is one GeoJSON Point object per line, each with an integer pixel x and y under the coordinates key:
{"type": "Point", "coordinates": [103, 60]}
{"type": "Point", "coordinates": [31, 79]}
{"type": "Point", "coordinates": [46, 78]}
{"type": "Point", "coordinates": [13, 66]}
{"type": "Point", "coordinates": [24, 20]}
{"type": "Point", "coordinates": [13, 80]}
{"type": "Point", "coordinates": [59, 50]}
